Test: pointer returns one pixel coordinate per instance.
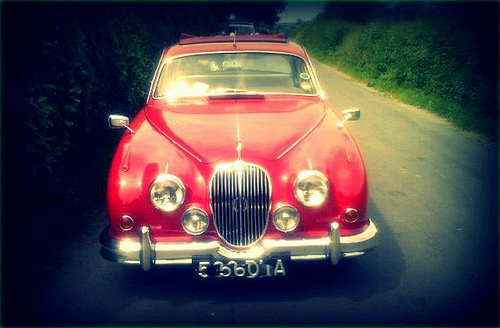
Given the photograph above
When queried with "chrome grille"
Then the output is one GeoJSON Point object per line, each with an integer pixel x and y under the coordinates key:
{"type": "Point", "coordinates": [241, 198]}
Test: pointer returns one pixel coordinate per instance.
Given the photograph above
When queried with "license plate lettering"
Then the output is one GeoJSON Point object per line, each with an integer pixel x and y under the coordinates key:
{"type": "Point", "coordinates": [279, 268]}
{"type": "Point", "coordinates": [252, 268]}
{"type": "Point", "coordinates": [239, 271]}
{"type": "Point", "coordinates": [248, 269]}
{"type": "Point", "coordinates": [224, 270]}
{"type": "Point", "coordinates": [202, 269]}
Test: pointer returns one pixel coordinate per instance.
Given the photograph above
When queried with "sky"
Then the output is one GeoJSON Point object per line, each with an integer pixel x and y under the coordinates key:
{"type": "Point", "coordinates": [304, 10]}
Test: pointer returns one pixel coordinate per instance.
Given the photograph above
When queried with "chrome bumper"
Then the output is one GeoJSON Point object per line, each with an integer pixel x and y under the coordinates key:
{"type": "Point", "coordinates": [146, 253]}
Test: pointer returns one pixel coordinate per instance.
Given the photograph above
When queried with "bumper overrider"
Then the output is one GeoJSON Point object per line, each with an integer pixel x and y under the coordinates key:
{"type": "Point", "coordinates": [146, 253]}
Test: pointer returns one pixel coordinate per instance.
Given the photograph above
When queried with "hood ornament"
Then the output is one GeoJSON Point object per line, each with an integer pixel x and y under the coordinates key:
{"type": "Point", "coordinates": [239, 165]}
{"type": "Point", "coordinates": [239, 146]}
{"type": "Point", "coordinates": [238, 150]}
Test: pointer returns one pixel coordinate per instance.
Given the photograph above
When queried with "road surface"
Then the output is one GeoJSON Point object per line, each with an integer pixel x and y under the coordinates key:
{"type": "Point", "coordinates": [433, 193]}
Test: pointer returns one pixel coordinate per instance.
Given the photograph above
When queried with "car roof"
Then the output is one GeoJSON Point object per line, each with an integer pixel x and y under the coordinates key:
{"type": "Point", "coordinates": [226, 43]}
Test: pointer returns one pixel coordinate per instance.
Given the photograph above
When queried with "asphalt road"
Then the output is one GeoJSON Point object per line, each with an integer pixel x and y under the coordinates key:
{"type": "Point", "coordinates": [433, 193]}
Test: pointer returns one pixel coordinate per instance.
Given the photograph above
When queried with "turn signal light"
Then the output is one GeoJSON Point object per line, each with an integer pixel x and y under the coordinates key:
{"type": "Point", "coordinates": [351, 215]}
{"type": "Point", "coordinates": [126, 223]}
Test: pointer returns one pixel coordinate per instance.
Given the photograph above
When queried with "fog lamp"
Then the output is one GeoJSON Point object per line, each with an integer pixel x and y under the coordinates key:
{"type": "Point", "coordinates": [351, 215]}
{"type": "Point", "coordinates": [195, 221]}
{"type": "Point", "coordinates": [286, 218]}
{"type": "Point", "coordinates": [126, 223]}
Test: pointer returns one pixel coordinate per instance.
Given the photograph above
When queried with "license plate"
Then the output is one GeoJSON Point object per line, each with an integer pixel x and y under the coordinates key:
{"type": "Point", "coordinates": [243, 269]}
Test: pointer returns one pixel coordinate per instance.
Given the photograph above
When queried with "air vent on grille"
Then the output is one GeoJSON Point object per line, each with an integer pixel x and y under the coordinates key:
{"type": "Point", "coordinates": [241, 197]}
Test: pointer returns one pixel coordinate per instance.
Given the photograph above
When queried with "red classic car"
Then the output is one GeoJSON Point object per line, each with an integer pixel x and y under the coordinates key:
{"type": "Point", "coordinates": [236, 165]}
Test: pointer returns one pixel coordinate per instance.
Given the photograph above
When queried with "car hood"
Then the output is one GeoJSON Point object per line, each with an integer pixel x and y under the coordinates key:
{"type": "Point", "coordinates": [210, 130]}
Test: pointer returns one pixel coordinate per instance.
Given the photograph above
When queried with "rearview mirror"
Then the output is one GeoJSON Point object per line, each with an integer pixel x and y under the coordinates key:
{"type": "Point", "coordinates": [119, 122]}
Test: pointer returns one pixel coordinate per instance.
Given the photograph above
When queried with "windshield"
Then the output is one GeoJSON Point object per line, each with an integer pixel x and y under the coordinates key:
{"type": "Point", "coordinates": [239, 30]}
{"type": "Point", "coordinates": [222, 73]}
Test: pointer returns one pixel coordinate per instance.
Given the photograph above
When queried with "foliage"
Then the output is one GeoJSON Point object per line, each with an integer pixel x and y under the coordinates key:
{"type": "Point", "coordinates": [433, 61]}
{"type": "Point", "coordinates": [66, 66]}
{"type": "Point", "coordinates": [263, 14]}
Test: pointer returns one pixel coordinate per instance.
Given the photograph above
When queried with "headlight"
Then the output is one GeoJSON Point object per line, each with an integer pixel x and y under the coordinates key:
{"type": "Point", "coordinates": [311, 188]}
{"type": "Point", "coordinates": [286, 218]}
{"type": "Point", "coordinates": [167, 192]}
{"type": "Point", "coordinates": [195, 221]}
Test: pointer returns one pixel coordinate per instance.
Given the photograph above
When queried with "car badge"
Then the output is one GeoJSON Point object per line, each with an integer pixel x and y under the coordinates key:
{"type": "Point", "coordinates": [239, 204]}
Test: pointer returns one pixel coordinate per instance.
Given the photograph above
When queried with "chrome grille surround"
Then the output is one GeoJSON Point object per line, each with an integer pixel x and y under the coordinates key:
{"type": "Point", "coordinates": [240, 199]}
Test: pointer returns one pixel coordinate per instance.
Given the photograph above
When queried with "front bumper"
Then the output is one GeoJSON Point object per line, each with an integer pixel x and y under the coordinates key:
{"type": "Point", "coordinates": [147, 253]}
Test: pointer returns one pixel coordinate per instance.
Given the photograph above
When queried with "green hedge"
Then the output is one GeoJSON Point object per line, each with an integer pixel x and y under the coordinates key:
{"type": "Point", "coordinates": [435, 64]}
{"type": "Point", "coordinates": [66, 66]}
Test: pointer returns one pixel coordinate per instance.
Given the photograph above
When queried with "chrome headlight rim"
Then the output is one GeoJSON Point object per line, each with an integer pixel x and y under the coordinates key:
{"type": "Point", "coordinates": [205, 214]}
{"type": "Point", "coordinates": [307, 174]}
{"type": "Point", "coordinates": [162, 177]}
{"type": "Point", "coordinates": [283, 207]}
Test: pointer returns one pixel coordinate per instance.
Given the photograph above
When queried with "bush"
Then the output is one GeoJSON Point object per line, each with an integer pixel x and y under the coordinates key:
{"type": "Point", "coordinates": [66, 67]}
{"type": "Point", "coordinates": [434, 63]}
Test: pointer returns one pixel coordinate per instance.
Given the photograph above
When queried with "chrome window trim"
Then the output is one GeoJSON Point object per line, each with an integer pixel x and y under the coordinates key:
{"type": "Point", "coordinates": [151, 87]}
{"type": "Point", "coordinates": [163, 62]}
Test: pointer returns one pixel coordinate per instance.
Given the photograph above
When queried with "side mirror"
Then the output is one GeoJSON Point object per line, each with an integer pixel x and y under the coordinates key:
{"type": "Point", "coordinates": [119, 122]}
{"type": "Point", "coordinates": [351, 114]}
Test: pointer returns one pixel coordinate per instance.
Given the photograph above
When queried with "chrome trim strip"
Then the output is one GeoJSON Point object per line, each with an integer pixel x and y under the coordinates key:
{"type": "Point", "coordinates": [185, 261]}
{"type": "Point", "coordinates": [369, 233]}
{"type": "Point", "coordinates": [297, 243]}
{"type": "Point", "coordinates": [308, 257]}
{"type": "Point", "coordinates": [332, 247]}
{"type": "Point", "coordinates": [170, 138]}
{"type": "Point", "coordinates": [192, 247]}
{"type": "Point", "coordinates": [352, 254]}
{"type": "Point", "coordinates": [304, 136]}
